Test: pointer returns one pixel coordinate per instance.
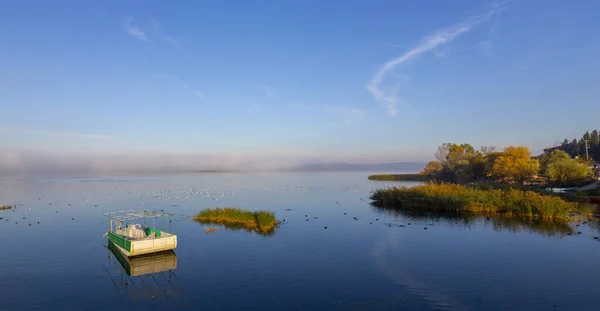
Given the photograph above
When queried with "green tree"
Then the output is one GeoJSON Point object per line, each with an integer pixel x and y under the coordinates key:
{"type": "Point", "coordinates": [477, 166]}
{"type": "Point", "coordinates": [567, 170]}
{"type": "Point", "coordinates": [515, 164]}
{"type": "Point", "coordinates": [582, 147]}
{"type": "Point", "coordinates": [490, 159]}
{"type": "Point", "coordinates": [451, 154]}
{"type": "Point", "coordinates": [594, 138]}
{"type": "Point", "coordinates": [463, 163]}
{"type": "Point", "coordinates": [455, 160]}
{"type": "Point", "coordinates": [595, 145]}
{"type": "Point", "coordinates": [573, 148]}
{"type": "Point", "coordinates": [552, 157]}
{"type": "Point", "coordinates": [459, 154]}
{"type": "Point", "coordinates": [576, 148]}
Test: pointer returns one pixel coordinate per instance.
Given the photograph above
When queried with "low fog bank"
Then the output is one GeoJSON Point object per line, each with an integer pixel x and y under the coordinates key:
{"type": "Point", "coordinates": [19, 162]}
{"type": "Point", "coordinates": [35, 162]}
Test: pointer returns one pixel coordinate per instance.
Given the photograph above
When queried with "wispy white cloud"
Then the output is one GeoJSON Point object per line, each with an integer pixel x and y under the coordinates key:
{"type": "Point", "coordinates": [387, 91]}
{"type": "Point", "coordinates": [53, 133]}
{"type": "Point", "coordinates": [134, 30]}
{"type": "Point", "coordinates": [176, 43]}
{"type": "Point", "coordinates": [153, 30]}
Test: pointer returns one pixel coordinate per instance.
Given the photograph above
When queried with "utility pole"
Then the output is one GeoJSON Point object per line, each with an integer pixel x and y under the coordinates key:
{"type": "Point", "coordinates": [587, 156]}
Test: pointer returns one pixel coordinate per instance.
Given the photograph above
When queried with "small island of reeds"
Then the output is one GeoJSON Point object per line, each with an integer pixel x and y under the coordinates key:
{"type": "Point", "coordinates": [262, 222]}
{"type": "Point", "coordinates": [5, 206]}
{"type": "Point", "coordinates": [442, 197]}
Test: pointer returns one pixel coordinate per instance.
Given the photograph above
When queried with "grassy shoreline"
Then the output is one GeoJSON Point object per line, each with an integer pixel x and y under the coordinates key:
{"type": "Point", "coordinates": [263, 222]}
{"type": "Point", "coordinates": [434, 197]}
{"type": "Point", "coordinates": [401, 177]}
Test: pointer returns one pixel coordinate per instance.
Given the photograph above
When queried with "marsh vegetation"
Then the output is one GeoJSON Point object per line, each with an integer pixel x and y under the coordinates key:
{"type": "Point", "coordinates": [263, 222]}
{"type": "Point", "coordinates": [444, 197]}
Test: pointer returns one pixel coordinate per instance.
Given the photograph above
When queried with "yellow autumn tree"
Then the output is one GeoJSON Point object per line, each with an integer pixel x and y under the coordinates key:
{"type": "Point", "coordinates": [432, 168]}
{"type": "Point", "coordinates": [515, 164]}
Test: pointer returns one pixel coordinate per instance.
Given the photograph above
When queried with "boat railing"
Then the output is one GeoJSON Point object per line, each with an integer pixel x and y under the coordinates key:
{"type": "Point", "coordinates": [120, 220]}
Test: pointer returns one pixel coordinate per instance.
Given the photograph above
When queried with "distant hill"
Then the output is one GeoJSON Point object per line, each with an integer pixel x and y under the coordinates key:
{"type": "Point", "coordinates": [398, 167]}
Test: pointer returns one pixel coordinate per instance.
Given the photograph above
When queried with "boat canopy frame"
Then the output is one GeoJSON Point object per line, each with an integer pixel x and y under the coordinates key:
{"type": "Point", "coordinates": [124, 217]}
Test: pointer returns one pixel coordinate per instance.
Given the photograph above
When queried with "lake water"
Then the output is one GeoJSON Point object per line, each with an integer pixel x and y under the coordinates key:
{"type": "Point", "coordinates": [382, 260]}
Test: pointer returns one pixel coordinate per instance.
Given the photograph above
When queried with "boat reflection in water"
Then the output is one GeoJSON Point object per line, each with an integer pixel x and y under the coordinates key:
{"type": "Point", "coordinates": [143, 277]}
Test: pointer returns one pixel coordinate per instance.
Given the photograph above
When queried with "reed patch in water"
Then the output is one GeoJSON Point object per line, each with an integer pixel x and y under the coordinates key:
{"type": "Point", "coordinates": [443, 197]}
{"type": "Point", "coordinates": [259, 221]}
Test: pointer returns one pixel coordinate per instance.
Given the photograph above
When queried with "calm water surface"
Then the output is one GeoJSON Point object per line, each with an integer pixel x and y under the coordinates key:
{"type": "Point", "coordinates": [382, 260]}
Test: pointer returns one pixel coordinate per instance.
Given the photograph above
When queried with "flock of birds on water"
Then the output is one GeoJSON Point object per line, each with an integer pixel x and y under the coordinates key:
{"type": "Point", "coordinates": [147, 198]}
{"type": "Point", "coordinates": [144, 197]}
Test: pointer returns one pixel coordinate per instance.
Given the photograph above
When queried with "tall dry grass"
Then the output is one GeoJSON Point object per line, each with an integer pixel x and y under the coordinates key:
{"type": "Point", "coordinates": [445, 197]}
{"type": "Point", "coordinates": [260, 221]}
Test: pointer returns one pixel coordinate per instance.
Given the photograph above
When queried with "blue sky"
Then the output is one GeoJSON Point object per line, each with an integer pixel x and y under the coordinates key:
{"type": "Point", "coordinates": [366, 81]}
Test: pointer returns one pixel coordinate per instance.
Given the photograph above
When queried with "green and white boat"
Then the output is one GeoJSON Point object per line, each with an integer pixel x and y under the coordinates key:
{"type": "Point", "coordinates": [144, 277]}
{"type": "Point", "coordinates": [134, 232]}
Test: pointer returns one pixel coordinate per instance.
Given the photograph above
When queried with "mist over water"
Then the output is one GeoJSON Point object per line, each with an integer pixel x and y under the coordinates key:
{"type": "Point", "coordinates": [16, 162]}
{"type": "Point", "coordinates": [42, 162]}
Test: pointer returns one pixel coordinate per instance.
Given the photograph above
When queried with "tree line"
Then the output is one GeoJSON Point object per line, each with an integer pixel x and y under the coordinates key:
{"type": "Point", "coordinates": [462, 163]}
{"type": "Point", "coordinates": [576, 148]}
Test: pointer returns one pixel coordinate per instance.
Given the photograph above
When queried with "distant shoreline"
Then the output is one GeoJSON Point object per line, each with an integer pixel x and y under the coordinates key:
{"type": "Point", "coordinates": [401, 177]}
{"type": "Point", "coordinates": [133, 174]}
